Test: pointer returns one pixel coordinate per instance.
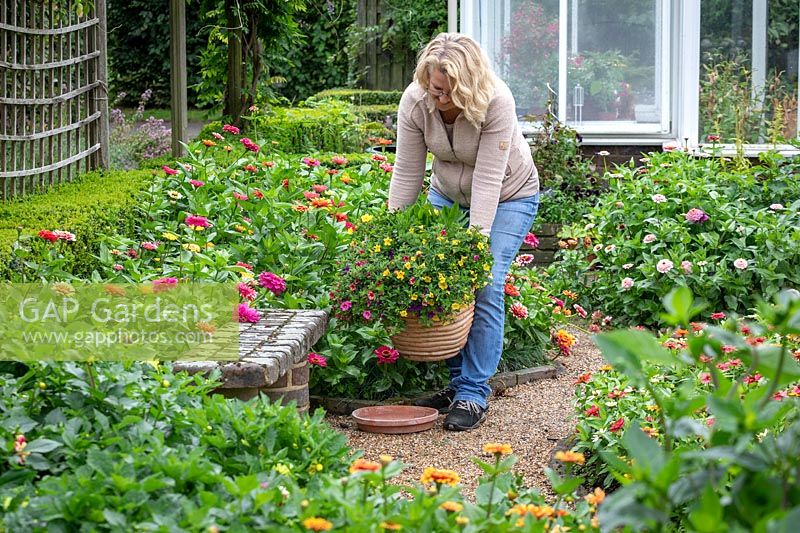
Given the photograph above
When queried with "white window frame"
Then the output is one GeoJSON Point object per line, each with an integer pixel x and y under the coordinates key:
{"type": "Point", "coordinates": [662, 67]}
{"type": "Point", "coordinates": [680, 65]}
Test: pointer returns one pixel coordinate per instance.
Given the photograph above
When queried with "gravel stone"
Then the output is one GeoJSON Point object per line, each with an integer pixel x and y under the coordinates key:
{"type": "Point", "coordinates": [532, 418]}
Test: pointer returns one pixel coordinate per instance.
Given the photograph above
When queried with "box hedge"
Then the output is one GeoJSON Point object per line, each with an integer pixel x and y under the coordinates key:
{"type": "Point", "coordinates": [96, 203]}
{"type": "Point", "coordinates": [328, 126]}
{"type": "Point", "coordinates": [359, 96]}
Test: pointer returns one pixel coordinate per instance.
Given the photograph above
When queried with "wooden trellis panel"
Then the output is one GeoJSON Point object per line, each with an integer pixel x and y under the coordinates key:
{"type": "Point", "coordinates": [53, 93]}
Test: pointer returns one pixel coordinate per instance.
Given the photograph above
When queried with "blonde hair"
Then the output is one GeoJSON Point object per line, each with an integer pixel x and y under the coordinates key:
{"type": "Point", "coordinates": [462, 60]}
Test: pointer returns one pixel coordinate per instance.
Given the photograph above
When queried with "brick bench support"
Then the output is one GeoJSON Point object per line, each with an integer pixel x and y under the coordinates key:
{"type": "Point", "coordinates": [272, 357]}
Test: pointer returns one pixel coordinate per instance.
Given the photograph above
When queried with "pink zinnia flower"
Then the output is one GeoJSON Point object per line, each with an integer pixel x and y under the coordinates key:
{"type": "Point", "coordinates": [741, 264]}
{"type": "Point", "coordinates": [239, 196]}
{"type": "Point", "coordinates": [717, 316]}
{"type": "Point", "coordinates": [149, 245]}
{"type": "Point", "coordinates": [664, 266]}
{"type": "Point", "coordinates": [164, 284]}
{"type": "Point", "coordinates": [117, 267]}
{"type": "Point", "coordinates": [378, 157]}
{"type": "Point", "coordinates": [319, 188]}
{"type": "Point", "coordinates": [310, 195]}
{"type": "Point", "coordinates": [531, 240]}
{"type": "Point", "coordinates": [659, 198]}
{"type": "Point", "coordinates": [248, 314]}
{"type": "Point", "coordinates": [519, 310]}
{"type": "Point", "coordinates": [250, 145]}
{"type": "Point", "coordinates": [705, 378]}
{"type": "Point", "coordinates": [311, 162]}
{"type": "Point", "coordinates": [524, 259]}
{"type": "Point", "coordinates": [626, 284]}
{"type": "Point", "coordinates": [230, 129]}
{"type": "Point", "coordinates": [649, 238]}
{"type": "Point", "coordinates": [272, 282]}
{"type": "Point", "coordinates": [686, 266]}
{"type": "Point", "coordinates": [580, 310]}
{"type": "Point", "coordinates": [169, 171]}
{"type": "Point", "coordinates": [780, 395]}
{"type": "Point", "coordinates": [338, 160]}
{"type": "Point", "coordinates": [346, 305]}
{"type": "Point", "coordinates": [246, 291]}
{"type": "Point", "coordinates": [776, 207]}
{"type": "Point", "coordinates": [367, 315]}
{"type": "Point", "coordinates": [48, 235]}
{"type": "Point", "coordinates": [386, 167]}
{"type": "Point", "coordinates": [196, 183]}
{"type": "Point", "coordinates": [248, 266]}
{"type": "Point", "coordinates": [197, 221]}
{"type": "Point", "coordinates": [386, 354]}
{"type": "Point", "coordinates": [316, 359]}
{"type": "Point", "coordinates": [695, 216]}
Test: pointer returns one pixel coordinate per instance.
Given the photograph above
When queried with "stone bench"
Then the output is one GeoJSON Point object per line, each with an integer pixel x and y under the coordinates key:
{"type": "Point", "coordinates": [272, 357]}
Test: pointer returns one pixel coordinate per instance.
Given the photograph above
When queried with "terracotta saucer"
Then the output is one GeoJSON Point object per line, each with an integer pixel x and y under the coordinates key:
{"type": "Point", "coordinates": [395, 418]}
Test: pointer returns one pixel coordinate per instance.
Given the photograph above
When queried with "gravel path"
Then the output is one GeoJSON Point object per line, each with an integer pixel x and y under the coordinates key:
{"type": "Point", "coordinates": [532, 418]}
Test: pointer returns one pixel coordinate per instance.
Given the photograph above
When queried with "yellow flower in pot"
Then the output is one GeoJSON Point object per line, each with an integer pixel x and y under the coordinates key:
{"type": "Point", "coordinates": [416, 272]}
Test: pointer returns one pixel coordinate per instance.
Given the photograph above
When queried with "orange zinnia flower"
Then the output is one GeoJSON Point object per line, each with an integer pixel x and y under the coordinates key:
{"type": "Point", "coordinates": [511, 290]}
{"type": "Point", "coordinates": [439, 476]}
{"type": "Point", "coordinates": [451, 506]}
{"type": "Point", "coordinates": [317, 524]}
{"type": "Point", "coordinates": [570, 457]}
{"type": "Point", "coordinates": [497, 449]}
{"type": "Point", "coordinates": [596, 497]}
{"type": "Point", "coordinates": [321, 202]}
{"type": "Point", "coordinates": [362, 465]}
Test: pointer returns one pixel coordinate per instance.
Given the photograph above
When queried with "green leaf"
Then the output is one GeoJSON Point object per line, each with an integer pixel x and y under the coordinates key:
{"type": "Point", "coordinates": [706, 516]}
{"type": "Point", "coordinates": [644, 450]}
{"type": "Point", "coordinates": [42, 446]}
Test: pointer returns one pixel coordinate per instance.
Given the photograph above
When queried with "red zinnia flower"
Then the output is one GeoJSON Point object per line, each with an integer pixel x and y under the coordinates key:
{"type": "Point", "coordinates": [616, 426]}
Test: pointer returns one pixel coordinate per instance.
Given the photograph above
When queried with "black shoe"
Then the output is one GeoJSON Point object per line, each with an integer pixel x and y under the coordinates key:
{"type": "Point", "coordinates": [441, 400]}
{"type": "Point", "coordinates": [465, 415]}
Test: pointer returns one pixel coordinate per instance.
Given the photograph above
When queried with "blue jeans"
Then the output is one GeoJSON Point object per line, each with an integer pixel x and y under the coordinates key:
{"type": "Point", "coordinates": [471, 369]}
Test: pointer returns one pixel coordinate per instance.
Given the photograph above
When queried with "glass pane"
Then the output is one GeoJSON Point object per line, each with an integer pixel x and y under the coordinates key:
{"type": "Point", "coordinates": [748, 74]}
{"type": "Point", "coordinates": [615, 60]}
{"type": "Point", "coordinates": [527, 58]}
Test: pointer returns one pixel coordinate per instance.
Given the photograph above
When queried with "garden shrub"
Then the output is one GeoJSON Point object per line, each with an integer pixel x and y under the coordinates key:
{"type": "Point", "coordinates": [377, 112]}
{"type": "Point", "coordinates": [700, 427]}
{"type": "Point", "coordinates": [568, 183]}
{"type": "Point", "coordinates": [360, 97]}
{"type": "Point", "coordinates": [113, 445]}
{"type": "Point", "coordinates": [330, 127]}
{"type": "Point", "coordinates": [133, 140]}
{"type": "Point", "coordinates": [728, 232]}
{"type": "Point", "coordinates": [96, 203]}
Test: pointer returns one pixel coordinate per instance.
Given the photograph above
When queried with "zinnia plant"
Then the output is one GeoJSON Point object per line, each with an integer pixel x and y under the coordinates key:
{"type": "Point", "coordinates": [420, 262]}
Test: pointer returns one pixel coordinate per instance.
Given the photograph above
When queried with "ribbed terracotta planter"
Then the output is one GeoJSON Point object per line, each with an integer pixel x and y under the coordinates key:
{"type": "Point", "coordinates": [418, 342]}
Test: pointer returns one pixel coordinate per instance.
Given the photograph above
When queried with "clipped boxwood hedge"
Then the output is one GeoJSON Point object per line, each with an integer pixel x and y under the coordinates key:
{"type": "Point", "coordinates": [359, 96]}
{"type": "Point", "coordinates": [98, 202]}
{"type": "Point", "coordinates": [377, 112]}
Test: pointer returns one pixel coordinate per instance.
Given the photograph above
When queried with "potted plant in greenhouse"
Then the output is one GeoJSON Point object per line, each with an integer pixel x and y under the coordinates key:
{"type": "Point", "coordinates": [602, 77]}
{"type": "Point", "coordinates": [416, 272]}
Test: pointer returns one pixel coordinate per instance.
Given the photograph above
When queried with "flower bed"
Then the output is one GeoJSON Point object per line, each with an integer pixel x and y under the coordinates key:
{"type": "Point", "coordinates": [728, 232]}
{"type": "Point", "coordinates": [692, 426]}
{"type": "Point", "coordinates": [237, 211]}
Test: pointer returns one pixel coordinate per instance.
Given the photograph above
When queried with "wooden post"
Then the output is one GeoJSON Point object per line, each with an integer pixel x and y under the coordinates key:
{"type": "Point", "coordinates": [178, 75]}
{"type": "Point", "coordinates": [101, 103]}
{"type": "Point", "coordinates": [233, 93]}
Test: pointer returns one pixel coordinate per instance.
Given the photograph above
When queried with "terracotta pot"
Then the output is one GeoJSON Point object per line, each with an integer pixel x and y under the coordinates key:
{"type": "Point", "coordinates": [439, 341]}
{"type": "Point", "coordinates": [395, 418]}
